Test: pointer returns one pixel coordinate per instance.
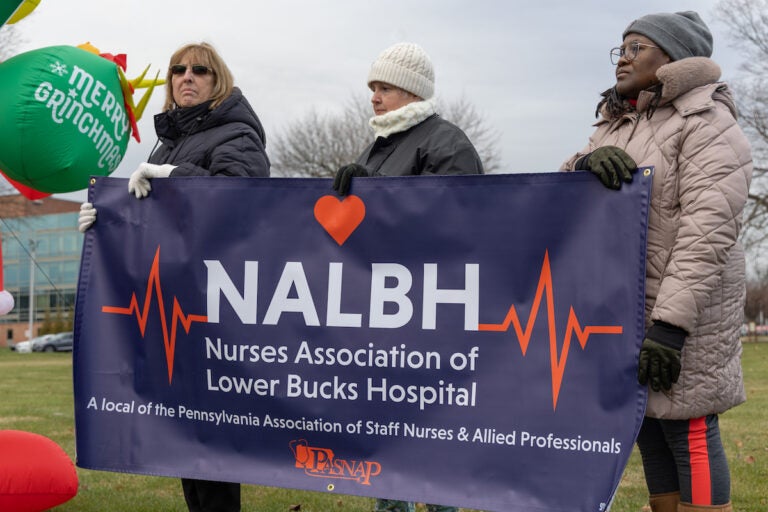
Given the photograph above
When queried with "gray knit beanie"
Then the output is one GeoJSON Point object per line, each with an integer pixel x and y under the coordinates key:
{"type": "Point", "coordinates": [680, 34]}
{"type": "Point", "coordinates": [407, 66]}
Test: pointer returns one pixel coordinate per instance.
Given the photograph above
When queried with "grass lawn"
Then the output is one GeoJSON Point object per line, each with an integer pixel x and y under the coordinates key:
{"type": "Point", "coordinates": [36, 391]}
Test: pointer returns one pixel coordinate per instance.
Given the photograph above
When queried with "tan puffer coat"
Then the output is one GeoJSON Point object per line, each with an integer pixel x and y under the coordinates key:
{"type": "Point", "coordinates": [695, 264]}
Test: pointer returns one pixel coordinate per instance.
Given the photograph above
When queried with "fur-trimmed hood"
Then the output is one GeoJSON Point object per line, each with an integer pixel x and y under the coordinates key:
{"type": "Point", "coordinates": [677, 79]}
{"type": "Point", "coordinates": [684, 75]}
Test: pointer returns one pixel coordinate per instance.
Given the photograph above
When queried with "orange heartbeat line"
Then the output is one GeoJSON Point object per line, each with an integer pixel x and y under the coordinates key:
{"type": "Point", "coordinates": [178, 316]}
{"type": "Point", "coordinates": [557, 363]}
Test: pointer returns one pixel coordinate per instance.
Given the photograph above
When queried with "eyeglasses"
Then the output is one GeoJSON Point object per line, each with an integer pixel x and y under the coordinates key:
{"type": "Point", "coordinates": [197, 69]}
{"type": "Point", "coordinates": [629, 52]}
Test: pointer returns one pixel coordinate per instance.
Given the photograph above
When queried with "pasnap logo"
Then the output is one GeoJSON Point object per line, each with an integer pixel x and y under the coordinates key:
{"type": "Point", "coordinates": [323, 463]}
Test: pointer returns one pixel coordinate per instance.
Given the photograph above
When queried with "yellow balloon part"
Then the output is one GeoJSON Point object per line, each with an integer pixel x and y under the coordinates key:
{"type": "Point", "coordinates": [138, 83]}
{"type": "Point", "coordinates": [87, 46]}
{"type": "Point", "coordinates": [25, 8]}
{"type": "Point", "coordinates": [128, 86]}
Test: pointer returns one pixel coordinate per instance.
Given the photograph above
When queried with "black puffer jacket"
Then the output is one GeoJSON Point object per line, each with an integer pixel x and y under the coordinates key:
{"type": "Point", "coordinates": [226, 141]}
{"type": "Point", "coordinates": [433, 146]}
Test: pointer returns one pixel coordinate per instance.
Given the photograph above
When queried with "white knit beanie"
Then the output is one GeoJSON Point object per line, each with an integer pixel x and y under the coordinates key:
{"type": "Point", "coordinates": [407, 66]}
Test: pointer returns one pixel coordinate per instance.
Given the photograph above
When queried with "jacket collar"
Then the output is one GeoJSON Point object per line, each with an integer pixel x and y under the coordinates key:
{"type": "Point", "coordinates": [679, 78]}
{"type": "Point", "coordinates": [177, 122]}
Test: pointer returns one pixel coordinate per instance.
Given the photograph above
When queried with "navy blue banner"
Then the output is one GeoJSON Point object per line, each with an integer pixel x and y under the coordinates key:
{"type": "Point", "coordinates": [467, 340]}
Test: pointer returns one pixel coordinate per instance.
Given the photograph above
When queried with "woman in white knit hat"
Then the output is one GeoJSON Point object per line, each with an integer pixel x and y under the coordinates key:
{"type": "Point", "coordinates": [411, 139]}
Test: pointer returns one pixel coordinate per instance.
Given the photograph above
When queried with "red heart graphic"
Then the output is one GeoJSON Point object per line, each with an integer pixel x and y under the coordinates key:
{"type": "Point", "coordinates": [339, 218]}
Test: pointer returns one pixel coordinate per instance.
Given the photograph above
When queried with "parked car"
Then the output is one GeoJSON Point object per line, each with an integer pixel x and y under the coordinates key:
{"type": "Point", "coordinates": [22, 347]}
{"type": "Point", "coordinates": [61, 342]}
{"type": "Point", "coordinates": [37, 342]}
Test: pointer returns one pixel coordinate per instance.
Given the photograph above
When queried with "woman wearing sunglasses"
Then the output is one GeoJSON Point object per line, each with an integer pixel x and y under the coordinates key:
{"type": "Point", "coordinates": [207, 128]}
{"type": "Point", "coordinates": [668, 110]}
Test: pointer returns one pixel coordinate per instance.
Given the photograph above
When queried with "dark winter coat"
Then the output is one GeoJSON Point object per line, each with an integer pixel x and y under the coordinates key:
{"type": "Point", "coordinates": [434, 146]}
{"type": "Point", "coordinates": [226, 141]}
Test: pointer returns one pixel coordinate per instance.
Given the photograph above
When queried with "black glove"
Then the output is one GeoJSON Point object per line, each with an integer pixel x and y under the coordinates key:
{"type": "Point", "coordinates": [609, 163]}
{"type": "Point", "coordinates": [344, 175]}
{"type": "Point", "coordinates": [659, 362]}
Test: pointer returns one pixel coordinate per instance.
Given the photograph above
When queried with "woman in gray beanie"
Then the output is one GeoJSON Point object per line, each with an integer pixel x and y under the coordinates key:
{"type": "Point", "coordinates": [411, 139]}
{"type": "Point", "coordinates": [668, 110]}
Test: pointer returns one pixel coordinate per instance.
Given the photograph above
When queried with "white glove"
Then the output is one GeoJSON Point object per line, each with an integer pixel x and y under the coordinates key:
{"type": "Point", "coordinates": [87, 217]}
{"type": "Point", "coordinates": [138, 184]}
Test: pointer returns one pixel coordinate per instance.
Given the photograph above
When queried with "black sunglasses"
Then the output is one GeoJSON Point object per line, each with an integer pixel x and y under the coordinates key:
{"type": "Point", "coordinates": [197, 69]}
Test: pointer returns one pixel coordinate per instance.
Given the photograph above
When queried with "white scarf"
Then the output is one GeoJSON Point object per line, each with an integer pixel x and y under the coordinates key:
{"type": "Point", "coordinates": [401, 119]}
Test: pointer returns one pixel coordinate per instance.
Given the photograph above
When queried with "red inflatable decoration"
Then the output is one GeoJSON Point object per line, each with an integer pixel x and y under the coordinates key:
{"type": "Point", "coordinates": [26, 191]}
{"type": "Point", "coordinates": [35, 473]}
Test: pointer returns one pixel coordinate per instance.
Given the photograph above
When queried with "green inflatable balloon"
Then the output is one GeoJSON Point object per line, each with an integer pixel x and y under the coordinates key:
{"type": "Point", "coordinates": [63, 118]}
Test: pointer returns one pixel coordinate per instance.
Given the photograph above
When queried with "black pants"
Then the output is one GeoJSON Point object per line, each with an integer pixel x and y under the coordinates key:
{"type": "Point", "coordinates": [208, 496]}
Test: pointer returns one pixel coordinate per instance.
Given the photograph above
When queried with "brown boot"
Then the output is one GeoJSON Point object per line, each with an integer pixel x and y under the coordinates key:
{"type": "Point", "coordinates": [666, 502]}
{"type": "Point", "coordinates": [687, 507]}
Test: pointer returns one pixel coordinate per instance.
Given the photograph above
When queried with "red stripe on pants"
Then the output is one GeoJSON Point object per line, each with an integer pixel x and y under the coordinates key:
{"type": "Point", "coordinates": [701, 481]}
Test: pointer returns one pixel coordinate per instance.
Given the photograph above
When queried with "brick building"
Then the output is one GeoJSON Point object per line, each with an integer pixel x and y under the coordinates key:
{"type": "Point", "coordinates": [41, 253]}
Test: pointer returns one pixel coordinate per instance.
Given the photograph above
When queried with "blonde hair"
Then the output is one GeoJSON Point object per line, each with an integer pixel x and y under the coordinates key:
{"type": "Point", "coordinates": [205, 54]}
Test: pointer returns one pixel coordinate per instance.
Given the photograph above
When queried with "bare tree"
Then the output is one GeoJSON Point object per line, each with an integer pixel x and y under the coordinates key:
{"type": "Point", "coordinates": [757, 299]}
{"type": "Point", "coordinates": [463, 114]}
{"type": "Point", "coordinates": [747, 21]}
{"type": "Point", "coordinates": [318, 144]}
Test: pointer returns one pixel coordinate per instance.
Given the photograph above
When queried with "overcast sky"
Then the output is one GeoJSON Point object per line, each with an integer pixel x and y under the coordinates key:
{"type": "Point", "coordinates": [534, 70]}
